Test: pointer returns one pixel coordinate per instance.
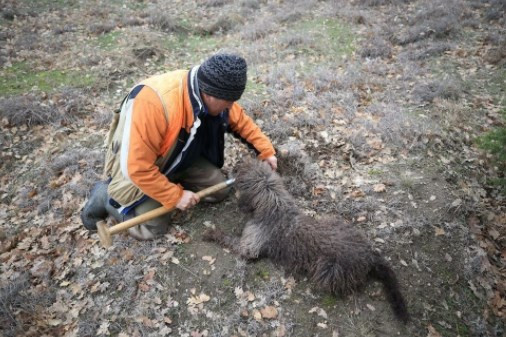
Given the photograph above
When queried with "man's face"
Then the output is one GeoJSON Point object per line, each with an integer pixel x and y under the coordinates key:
{"type": "Point", "coordinates": [215, 105]}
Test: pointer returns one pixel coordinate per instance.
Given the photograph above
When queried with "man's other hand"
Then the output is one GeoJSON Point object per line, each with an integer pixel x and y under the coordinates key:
{"type": "Point", "coordinates": [272, 161]}
{"type": "Point", "coordinates": [188, 200]}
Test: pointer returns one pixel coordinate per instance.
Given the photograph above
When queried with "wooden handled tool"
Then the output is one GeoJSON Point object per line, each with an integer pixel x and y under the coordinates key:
{"type": "Point", "coordinates": [105, 233]}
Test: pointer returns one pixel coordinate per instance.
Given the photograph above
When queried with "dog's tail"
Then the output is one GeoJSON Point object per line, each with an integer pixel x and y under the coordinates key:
{"type": "Point", "coordinates": [336, 275]}
{"type": "Point", "coordinates": [382, 272]}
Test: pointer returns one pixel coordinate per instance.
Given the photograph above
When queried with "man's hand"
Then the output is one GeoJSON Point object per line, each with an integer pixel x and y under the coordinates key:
{"type": "Point", "coordinates": [272, 161]}
{"type": "Point", "coordinates": [188, 200]}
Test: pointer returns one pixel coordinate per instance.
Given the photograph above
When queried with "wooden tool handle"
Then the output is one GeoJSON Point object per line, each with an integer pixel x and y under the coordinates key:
{"type": "Point", "coordinates": [162, 210]}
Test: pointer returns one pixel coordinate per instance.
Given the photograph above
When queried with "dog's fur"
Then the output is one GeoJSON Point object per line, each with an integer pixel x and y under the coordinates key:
{"type": "Point", "coordinates": [333, 254]}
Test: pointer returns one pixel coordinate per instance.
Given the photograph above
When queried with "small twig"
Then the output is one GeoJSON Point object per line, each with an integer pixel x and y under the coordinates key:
{"type": "Point", "coordinates": [188, 270]}
{"type": "Point", "coordinates": [351, 160]}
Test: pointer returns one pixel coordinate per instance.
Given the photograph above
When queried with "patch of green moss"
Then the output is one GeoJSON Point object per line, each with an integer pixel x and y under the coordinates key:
{"type": "Point", "coordinates": [264, 274]}
{"type": "Point", "coordinates": [332, 37]}
{"type": "Point", "coordinates": [375, 172]}
{"type": "Point", "coordinates": [198, 43]}
{"type": "Point", "coordinates": [456, 326]}
{"type": "Point", "coordinates": [256, 88]}
{"type": "Point", "coordinates": [108, 41]}
{"type": "Point", "coordinates": [494, 141]}
{"type": "Point", "coordinates": [329, 300]}
{"type": "Point", "coordinates": [191, 49]}
{"type": "Point", "coordinates": [21, 78]}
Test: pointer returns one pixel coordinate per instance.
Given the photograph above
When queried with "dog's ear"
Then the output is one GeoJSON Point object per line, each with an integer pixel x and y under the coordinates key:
{"type": "Point", "coordinates": [245, 202]}
{"type": "Point", "coordinates": [269, 195]}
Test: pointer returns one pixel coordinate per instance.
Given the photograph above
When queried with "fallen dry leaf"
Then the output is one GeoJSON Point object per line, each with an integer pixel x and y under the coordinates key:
{"type": "Point", "coordinates": [357, 194]}
{"type": "Point", "coordinates": [379, 188]}
{"type": "Point", "coordinates": [257, 315]}
{"type": "Point", "coordinates": [439, 231]}
{"type": "Point", "coordinates": [103, 329]}
{"type": "Point", "coordinates": [322, 325]}
{"type": "Point", "coordinates": [319, 311]}
{"type": "Point", "coordinates": [195, 300]}
{"type": "Point", "coordinates": [281, 331]}
{"type": "Point", "coordinates": [209, 259]}
{"type": "Point", "coordinates": [494, 234]}
{"type": "Point", "coordinates": [432, 332]}
{"type": "Point", "coordinates": [269, 312]}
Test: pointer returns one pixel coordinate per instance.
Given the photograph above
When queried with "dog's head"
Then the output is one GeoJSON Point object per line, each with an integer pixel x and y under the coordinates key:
{"type": "Point", "coordinates": [260, 190]}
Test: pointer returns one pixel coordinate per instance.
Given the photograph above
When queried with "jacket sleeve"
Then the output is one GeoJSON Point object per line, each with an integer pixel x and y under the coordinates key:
{"type": "Point", "coordinates": [146, 132]}
{"type": "Point", "coordinates": [242, 125]}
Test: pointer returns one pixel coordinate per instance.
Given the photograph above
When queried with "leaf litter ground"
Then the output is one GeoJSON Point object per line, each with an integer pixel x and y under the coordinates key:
{"type": "Point", "coordinates": [374, 107]}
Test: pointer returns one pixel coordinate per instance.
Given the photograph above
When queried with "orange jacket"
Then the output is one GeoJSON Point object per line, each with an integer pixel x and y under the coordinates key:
{"type": "Point", "coordinates": [150, 123]}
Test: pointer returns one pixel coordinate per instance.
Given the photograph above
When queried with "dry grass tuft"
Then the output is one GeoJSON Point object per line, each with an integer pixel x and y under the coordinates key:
{"type": "Point", "coordinates": [24, 110]}
{"type": "Point", "coordinates": [144, 53]}
{"type": "Point", "coordinates": [131, 21]}
{"type": "Point", "coordinates": [298, 169]}
{"type": "Point", "coordinates": [28, 41]}
{"type": "Point", "coordinates": [101, 28]}
{"type": "Point", "coordinates": [74, 171]}
{"type": "Point", "coordinates": [258, 29]}
{"type": "Point", "coordinates": [445, 89]}
{"type": "Point", "coordinates": [400, 129]}
{"type": "Point", "coordinates": [215, 3]}
{"type": "Point", "coordinates": [73, 160]}
{"type": "Point", "coordinates": [65, 29]}
{"type": "Point", "coordinates": [433, 19]}
{"type": "Point", "coordinates": [166, 23]}
{"type": "Point", "coordinates": [223, 23]}
{"type": "Point", "coordinates": [64, 107]}
{"type": "Point", "coordinates": [250, 4]}
{"type": "Point", "coordinates": [497, 53]}
{"type": "Point", "coordinates": [376, 47]}
{"type": "Point", "coordinates": [427, 50]}
{"type": "Point", "coordinates": [496, 10]}
{"type": "Point", "coordinates": [19, 304]}
{"type": "Point", "coordinates": [296, 40]}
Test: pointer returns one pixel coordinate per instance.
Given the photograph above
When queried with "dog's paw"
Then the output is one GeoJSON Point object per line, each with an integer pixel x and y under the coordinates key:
{"type": "Point", "coordinates": [212, 235]}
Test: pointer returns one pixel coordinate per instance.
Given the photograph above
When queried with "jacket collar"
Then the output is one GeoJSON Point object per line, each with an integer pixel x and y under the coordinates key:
{"type": "Point", "coordinates": [199, 109]}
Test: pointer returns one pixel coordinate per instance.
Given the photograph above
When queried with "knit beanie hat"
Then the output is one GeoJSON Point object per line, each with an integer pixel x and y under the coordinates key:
{"type": "Point", "coordinates": [223, 76]}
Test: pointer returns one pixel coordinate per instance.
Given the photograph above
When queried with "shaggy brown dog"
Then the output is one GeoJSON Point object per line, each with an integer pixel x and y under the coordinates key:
{"type": "Point", "coordinates": [333, 254]}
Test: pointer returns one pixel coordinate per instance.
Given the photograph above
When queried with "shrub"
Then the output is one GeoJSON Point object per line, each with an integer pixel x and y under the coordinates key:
{"type": "Point", "coordinates": [23, 110]}
{"type": "Point", "coordinates": [426, 50]}
{"type": "Point", "coordinates": [433, 19]}
{"type": "Point", "coordinates": [222, 24]}
{"type": "Point", "coordinates": [376, 47]}
{"type": "Point", "coordinates": [257, 30]}
{"type": "Point", "coordinates": [20, 304]}
{"type": "Point", "coordinates": [445, 89]}
{"type": "Point", "coordinates": [63, 108]}
{"type": "Point", "coordinates": [101, 28]}
{"type": "Point", "coordinates": [166, 23]}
